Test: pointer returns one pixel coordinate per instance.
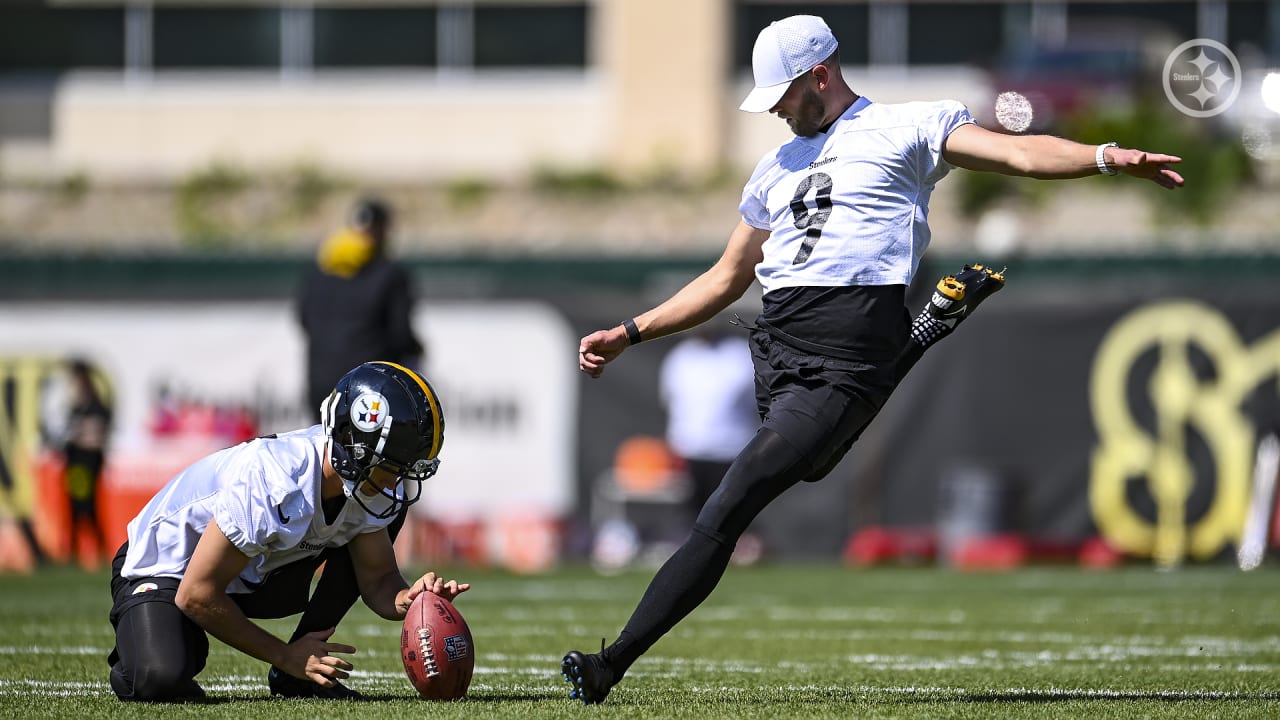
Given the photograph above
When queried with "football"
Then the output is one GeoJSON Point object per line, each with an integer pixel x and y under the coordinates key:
{"type": "Point", "coordinates": [435, 645]}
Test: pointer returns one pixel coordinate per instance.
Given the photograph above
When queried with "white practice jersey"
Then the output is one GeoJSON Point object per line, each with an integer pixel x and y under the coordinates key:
{"type": "Point", "coordinates": [265, 495]}
{"type": "Point", "coordinates": [850, 206]}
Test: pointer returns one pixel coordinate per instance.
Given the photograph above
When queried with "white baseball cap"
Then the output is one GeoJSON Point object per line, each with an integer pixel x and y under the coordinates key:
{"type": "Point", "coordinates": [784, 51]}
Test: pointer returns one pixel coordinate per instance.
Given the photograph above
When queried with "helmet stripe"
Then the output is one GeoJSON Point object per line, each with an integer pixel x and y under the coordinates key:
{"type": "Point", "coordinates": [431, 400]}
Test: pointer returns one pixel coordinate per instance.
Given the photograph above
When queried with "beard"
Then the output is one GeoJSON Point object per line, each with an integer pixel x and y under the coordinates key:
{"type": "Point", "coordinates": [809, 117]}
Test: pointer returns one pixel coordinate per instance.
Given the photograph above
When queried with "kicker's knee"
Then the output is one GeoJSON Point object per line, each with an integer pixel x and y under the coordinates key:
{"type": "Point", "coordinates": [713, 535]}
{"type": "Point", "coordinates": [159, 682]}
{"type": "Point", "coordinates": [766, 467]}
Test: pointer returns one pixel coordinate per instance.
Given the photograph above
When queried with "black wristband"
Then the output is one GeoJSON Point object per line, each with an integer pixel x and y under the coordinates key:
{"type": "Point", "coordinates": [633, 332]}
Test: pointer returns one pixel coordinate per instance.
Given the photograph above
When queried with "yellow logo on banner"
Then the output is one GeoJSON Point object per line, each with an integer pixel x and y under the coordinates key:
{"type": "Point", "coordinates": [20, 430]}
{"type": "Point", "coordinates": [1181, 401]}
{"type": "Point", "coordinates": [23, 382]}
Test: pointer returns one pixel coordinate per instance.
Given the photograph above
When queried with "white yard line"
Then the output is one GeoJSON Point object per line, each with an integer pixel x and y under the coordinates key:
{"type": "Point", "coordinates": [379, 679]}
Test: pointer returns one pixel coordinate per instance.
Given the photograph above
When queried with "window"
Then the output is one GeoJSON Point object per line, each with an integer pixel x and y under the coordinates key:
{"type": "Point", "coordinates": [216, 37]}
{"type": "Point", "coordinates": [34, 36]}
{"type": "Point", "coordinates": [378, 33]}
{"type": "Point", "coordinates": [1247, 25]}
{"type": "Point", "coordinates": [1178, 17]}
{"type": "Point", "coordinates": [940, 34]}
{"type": "Point", "coordinates": [531, 35]}
{"type": "Point", "coordinates": [373, 37]}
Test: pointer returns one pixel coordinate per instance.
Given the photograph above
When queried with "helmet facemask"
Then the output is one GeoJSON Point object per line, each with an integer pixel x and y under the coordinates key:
{"type": "Point", "coordinates": [364, 436]}
{"type": "Point", "coordinates": [404, 491]}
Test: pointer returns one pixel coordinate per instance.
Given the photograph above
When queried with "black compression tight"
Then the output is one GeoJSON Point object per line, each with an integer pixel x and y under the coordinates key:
{"type": "Point", "coordinates": [160, 652]}
{"type": "Point", "coordinates": [763, 470]}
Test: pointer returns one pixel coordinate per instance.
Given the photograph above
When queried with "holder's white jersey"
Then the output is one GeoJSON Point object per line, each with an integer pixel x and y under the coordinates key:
{"type": "Point", "coordinates": [850, 206]}
{"type": "Point", "coordinates": [265, 495]}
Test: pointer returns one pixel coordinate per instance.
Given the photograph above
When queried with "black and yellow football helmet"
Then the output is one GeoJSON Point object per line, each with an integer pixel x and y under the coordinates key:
{"type": "Point", "coordinates": [383, 416]}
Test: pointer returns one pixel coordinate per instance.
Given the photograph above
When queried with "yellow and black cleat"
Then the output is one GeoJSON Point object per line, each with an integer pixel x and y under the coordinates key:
{"type": "Point", "coordinates": [957, 296]}
{"type": "Point", "coordinates": [955, 299]}
{"type": "Point", "coordinates": [950, 287]}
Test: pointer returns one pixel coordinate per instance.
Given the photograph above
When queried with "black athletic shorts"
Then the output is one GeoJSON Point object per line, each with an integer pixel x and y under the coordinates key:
{"type": "Point", "coordinates": [126, 593]}
{"type": "Point", "coordinates": [284, 593]}
{"type": "Point", "coordinates": [819, 404]}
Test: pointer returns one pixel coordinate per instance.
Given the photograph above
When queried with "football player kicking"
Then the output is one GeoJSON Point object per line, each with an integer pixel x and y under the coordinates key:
{"type": "Point", "coordinates": [240, 534]}
{"type": "Point", "coordinates": [833, 226]}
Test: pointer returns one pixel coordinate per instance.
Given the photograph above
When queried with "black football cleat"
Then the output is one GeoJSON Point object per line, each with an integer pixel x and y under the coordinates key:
{"type": "Point", "coordinates": [957, 296]}
{"type": "Point", "coordinates": [284, 685]}
{"type": "Point", "coordinates": [590, 676]}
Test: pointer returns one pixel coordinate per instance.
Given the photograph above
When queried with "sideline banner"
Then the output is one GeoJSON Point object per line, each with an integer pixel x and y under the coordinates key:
{"type": "Point", "coordinates": [190, 378]}
{"type": "Point", "coordinates": [1132, 412]}
{"type": "Point", "coordinates": [1125, 409]}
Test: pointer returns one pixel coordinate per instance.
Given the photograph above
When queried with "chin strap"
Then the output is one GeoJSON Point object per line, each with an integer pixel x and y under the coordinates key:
{"type": "Point", "coordinates": [341, 462]}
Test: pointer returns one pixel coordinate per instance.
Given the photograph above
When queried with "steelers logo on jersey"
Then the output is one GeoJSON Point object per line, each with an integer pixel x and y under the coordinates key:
{"type": "Point", "coordinates": [145, 587]}
{"type": "Point", "coordinates": [369, 411]}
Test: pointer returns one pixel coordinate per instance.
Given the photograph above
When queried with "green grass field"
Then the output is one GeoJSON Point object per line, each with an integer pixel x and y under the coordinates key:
{"type": "Point", "coordinates": [773, 642]}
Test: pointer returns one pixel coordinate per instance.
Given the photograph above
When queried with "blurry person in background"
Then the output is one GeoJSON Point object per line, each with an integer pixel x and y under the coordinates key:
{"type": "Point", "coordinates": [355, 303]}
{"type": "Point", "coordinates": [707, 385]}
{"type": "Point", "coordinates": [241, 533]}
{"type": "Point", "coordinates": [84, 455]}
{"type": "Point", "coordinates": [833, 224]}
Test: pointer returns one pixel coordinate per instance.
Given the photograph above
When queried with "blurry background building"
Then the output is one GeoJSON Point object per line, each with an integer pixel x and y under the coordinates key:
{"type": "Point", "coordinates": [103, 104]}
{"type": "Point", "coordinates": [168, 166]}
{"type": "Point", "coordinates": [425, 89]}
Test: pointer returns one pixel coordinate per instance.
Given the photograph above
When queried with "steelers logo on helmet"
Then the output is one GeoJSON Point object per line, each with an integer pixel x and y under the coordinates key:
{"type": "Point", "coordinates": [385, 428]}
{"type": "Point", "coordinates": [370, 411]}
